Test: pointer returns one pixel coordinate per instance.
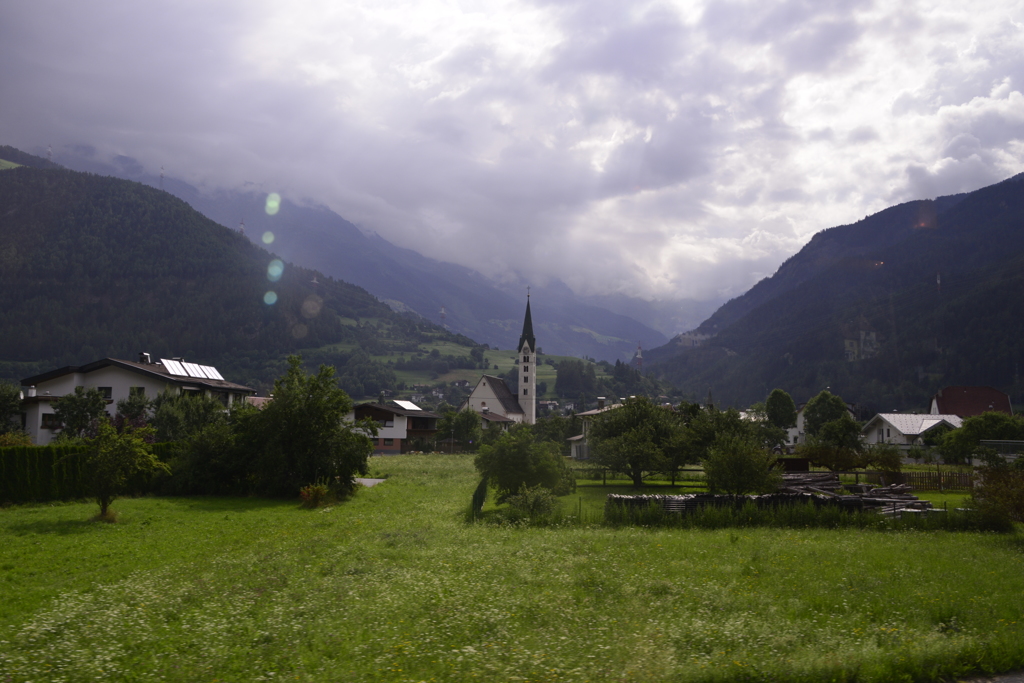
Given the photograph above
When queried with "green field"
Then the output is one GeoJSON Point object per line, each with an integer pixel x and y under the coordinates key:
{"type": "Point", "coordinates": [394, 585]}
{"type": "Point", "coordinates": [4, 164]}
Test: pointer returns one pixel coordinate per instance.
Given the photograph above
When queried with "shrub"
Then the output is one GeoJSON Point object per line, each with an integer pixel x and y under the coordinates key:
{"type": "Point", "coordinates": [533, 501]}
{"type": "Point", "coordinates": [314, 495]}
{"type": "Point", "coordinates": [516, 460]}
{"type": "Point", "coordinates": [736, 465]}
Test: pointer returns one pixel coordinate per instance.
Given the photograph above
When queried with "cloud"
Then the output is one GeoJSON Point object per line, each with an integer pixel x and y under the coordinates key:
{"type": "Point", "coordinates": [653, 148]}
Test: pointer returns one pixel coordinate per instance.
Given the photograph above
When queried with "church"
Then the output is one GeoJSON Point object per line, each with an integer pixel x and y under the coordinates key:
{"type": "Point", "coordinates": [492, 399]}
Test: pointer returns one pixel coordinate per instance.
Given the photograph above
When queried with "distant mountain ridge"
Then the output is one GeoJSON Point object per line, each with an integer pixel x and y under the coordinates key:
{"type": "Point", "coordinates": [883, 311]}
{"type": "Point", "coordinates": [95, 266]}
{"type": "Point", "coordinates": [316, 237]}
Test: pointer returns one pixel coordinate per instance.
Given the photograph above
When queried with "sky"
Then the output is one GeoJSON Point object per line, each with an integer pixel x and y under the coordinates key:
{"type": "Point", "coordinates": [655, 149]}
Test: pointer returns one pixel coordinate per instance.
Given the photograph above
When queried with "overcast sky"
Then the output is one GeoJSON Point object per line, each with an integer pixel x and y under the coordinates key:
{"type": "Point", "coordinates": [657, 149]}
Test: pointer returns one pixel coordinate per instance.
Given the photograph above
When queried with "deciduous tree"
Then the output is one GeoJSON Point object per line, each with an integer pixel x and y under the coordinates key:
{"type": "Point", "coordinates": [114, 458]}
{"type": "Point", "coordinates": [638, 437]}
{"type": "Point", "coordinates": [79, 411]}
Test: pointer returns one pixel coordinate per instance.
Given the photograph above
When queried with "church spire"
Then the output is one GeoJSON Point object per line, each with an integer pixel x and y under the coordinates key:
{"type": "Point", "coordinates": [527, 335]}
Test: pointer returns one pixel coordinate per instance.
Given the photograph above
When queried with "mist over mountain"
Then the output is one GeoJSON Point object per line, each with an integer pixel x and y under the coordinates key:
{"type": "Point", "coordinates": [884, 311]}
{"type": "Point", "coordinates": [94, 266]}
{"type": "Point", "coordinates": [605, 328]}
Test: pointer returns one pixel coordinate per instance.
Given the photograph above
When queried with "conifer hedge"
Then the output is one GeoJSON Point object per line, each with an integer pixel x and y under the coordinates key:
{"type": "Point", "coordinates": [55, 472]}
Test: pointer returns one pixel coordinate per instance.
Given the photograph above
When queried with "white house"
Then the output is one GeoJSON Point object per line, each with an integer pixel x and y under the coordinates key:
{"type": "Point", "coordinates": [117, 380]}
{"type": "Point", "coordinates": [904, 429]}
{"type": "Point", "coordinates": [491, 396]}
{"type": "Point", "coordinates": [397, 422]}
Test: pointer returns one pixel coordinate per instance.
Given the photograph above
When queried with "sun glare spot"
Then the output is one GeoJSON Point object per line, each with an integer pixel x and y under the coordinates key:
{"type": "Point", "coordinates": [273, 203]}
{"type": "Point", "coordinates": [274, 270]}
{"type": "Point", "coordinates": [299, 331]}
{"type": "Point", "coordinates": [268, 237]}
{"type": "Point", "coordinates": [270, 298]}
{"type": "Point", "coordinates": [311, 306]}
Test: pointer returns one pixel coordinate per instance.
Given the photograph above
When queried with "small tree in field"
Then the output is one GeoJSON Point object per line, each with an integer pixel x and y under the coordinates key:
{"type": "Point", "coordinates": [114, 458]}
{"type": "Point", "coordinates": [302, 436]}
{"type": "Point", "coordinates": [736, 466]}
{"type": "Point", "coordinates": [516, 460]}
{"type": "Point", "coordinates": [780, 409]}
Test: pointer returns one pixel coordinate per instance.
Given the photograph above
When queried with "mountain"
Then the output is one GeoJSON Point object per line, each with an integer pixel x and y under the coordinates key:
{"type": "Point", "coordinates": [884, 311]}
{"type": "Point", "coordinates": [94, 266]}
{"type": "Point", "coordinates": [474, 306]}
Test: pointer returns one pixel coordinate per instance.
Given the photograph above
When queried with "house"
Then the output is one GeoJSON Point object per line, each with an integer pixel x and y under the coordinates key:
{"type": "Point", "coordinates": [904, 429]}
{"type": "Point", "coordinates": [117, 380]}
{"type": "Point", "coordinates": [579, 448]}
{"type": "Point", "coordinates": [397, 421]}
{"type": "Point", "coordinates": [970, 401]}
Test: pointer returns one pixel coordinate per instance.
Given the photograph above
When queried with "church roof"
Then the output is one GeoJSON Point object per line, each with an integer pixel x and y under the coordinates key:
{"type": "Point", "coordinates": [527, 335]}
{"type": "Point", "coordinates": [501, 391]}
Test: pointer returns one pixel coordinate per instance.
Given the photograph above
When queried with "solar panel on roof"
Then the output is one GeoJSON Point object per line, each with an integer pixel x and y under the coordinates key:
{"type": "Point", "coordinates": [211, 372]}
{"type": "Point", "coordinates": [174, 367]}
{"type": "Point", "coordinates": [193, 370]}
{"type": "Point", "coordinates": [408, 405]}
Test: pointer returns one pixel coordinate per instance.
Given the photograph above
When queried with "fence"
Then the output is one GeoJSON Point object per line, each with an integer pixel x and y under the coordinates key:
{"type": "Point", "coordinates": [683, 478]}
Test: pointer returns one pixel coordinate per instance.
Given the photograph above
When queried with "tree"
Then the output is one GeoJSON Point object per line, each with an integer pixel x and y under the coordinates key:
{"type": "Point", "coordinates": [836, 446]}
{"type": "Point", "coordinates": [114, 458]}
{"type": "Point", "coordinates": [79, 412]}
{"type": "Point", "coordinates": [959, 445]}
{"type": "Point", "coordinates": [133, 411]}
{"type": "Point", "coordinates": [825, 407]}
{"type": "Point", "coordinates": [780, 409]}
{"type": "Point", "coordinates": [10, 408]}
{"type": "Point", "coordinates": [637, 437]}
{"type": "Point", "coordinates": [463, 426]}
{"type": "Point", "coordinates": [736, 466]}
{"type": "Point", "coordinates": [516, 460]}
{"type": "Point", "coordinates": [177, 417]}
{"type": "Point", "coordinates": [302, 437]}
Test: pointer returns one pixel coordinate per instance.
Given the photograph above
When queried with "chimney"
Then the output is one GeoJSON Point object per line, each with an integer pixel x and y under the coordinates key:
{"type": "Point", "coordinates": [486, 410]}
{"type": "Point", "coordinates": [600, 402]}
{"type": "Point", "coordinates": [32, 391]}
{"type": "Point", "coordinates": [145, 359]}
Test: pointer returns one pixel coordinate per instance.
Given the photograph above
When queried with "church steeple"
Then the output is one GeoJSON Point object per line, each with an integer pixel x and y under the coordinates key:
{"type": "Point", "coordinates": [528, 368]}
{"type": "Point", "coordinates": [527, 335]}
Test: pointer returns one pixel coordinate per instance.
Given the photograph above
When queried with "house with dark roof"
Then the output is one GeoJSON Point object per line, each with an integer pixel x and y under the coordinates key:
{"type": "Point", "coordinates": [397, 423]}
{"type": "Point", "coordinates": [970, 401]}
{"type": "Point", "coordinates": [116, 380]}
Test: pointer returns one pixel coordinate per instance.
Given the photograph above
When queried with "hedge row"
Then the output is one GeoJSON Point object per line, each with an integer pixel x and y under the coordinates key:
{"type": "Point", "coordinates": [42, 473]}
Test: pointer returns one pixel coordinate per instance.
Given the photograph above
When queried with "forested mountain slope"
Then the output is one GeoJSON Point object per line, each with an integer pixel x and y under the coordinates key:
{"type": "Point", "coordinates": [94, 266]}
{"type": "Point", "coordinates": [884, 311]}
{"type": "Point", "coordinates": [316, 237]}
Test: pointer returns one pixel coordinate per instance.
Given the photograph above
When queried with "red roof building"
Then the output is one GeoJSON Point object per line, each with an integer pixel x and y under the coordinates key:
{"type": "Point", "coordinates": [970, 401]}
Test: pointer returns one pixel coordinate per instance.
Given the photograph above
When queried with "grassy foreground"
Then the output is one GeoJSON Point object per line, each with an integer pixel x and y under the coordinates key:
{"type": "Point", "coordinates": [395, 586]}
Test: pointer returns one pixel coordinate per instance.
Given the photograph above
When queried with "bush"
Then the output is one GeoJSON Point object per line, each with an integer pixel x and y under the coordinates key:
{"type": "Point", "coordinates": [533, 501]}
{"type": "Point", "coordinates": [315, 495]}
{"type": "Point", "coordinates": [736, 466]}
{"type": "Point", "coordinates": [1000, 493]}
{"type": "Point", "coordinates": [516, 460]}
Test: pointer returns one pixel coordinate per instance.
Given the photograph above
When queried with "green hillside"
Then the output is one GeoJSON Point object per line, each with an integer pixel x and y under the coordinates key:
{"type": "Point", "coordinates": [94, 266]}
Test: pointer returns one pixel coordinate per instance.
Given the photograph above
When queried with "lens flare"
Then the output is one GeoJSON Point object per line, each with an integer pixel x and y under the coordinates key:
{"type": "Point", "coordinates": [270, 298]}
{"type": "Point", "coordinates": [274, 270]}
{"type": "Point", "coordinates": [268, 237]}
{"type": "Point", "coordinates": [299, 331]}
{"type": "Point", "coordinates": [273, 203]}
{"type": "Point", "coordinates": [311, 306]}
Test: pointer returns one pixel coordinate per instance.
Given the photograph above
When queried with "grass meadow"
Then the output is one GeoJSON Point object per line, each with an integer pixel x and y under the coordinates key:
{"type": "Point", "coordinates": [395, 585]}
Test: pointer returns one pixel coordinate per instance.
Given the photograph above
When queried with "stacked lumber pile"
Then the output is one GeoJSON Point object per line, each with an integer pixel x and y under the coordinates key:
{"type": "Point", "coordinates": [798, 487]}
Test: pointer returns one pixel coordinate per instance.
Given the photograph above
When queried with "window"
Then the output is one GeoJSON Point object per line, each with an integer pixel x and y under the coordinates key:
{"type": "Point", "coordinates": [526, 359]}
{"type": "Point", "coordinates": [107, 392]}
{"type": "Point", "coordinates": [524, 392]}
{"type": "Point", "coordinates": [136, 391]}
{"type": "Point", "coordinates": [526, 368]}
{"type": "Point", "coordinates": [881, 436]}
{"type": "Point", "coordinates": [50, 421]}
{"type": "Point", "coordinates": [389, 442]}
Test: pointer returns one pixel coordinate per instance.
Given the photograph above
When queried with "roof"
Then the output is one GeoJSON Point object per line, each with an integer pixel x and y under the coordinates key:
{"type": "Point", "coordinates": [494, 417]}
{"type": "Point", "coordinates": [911, 424]}
{"type": "Point", "coordinates": [151, 369]}
{"type": "Point", "coordinates": [504, 395]}
{"type": "Point", "coordinates": [971, 401]}
{"type": "Point", "coordinates": [598, 411]}
{"type": "Point", "coordinates": [527, 335]}
{"type": "Point", "coordinates": [395, 409]}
